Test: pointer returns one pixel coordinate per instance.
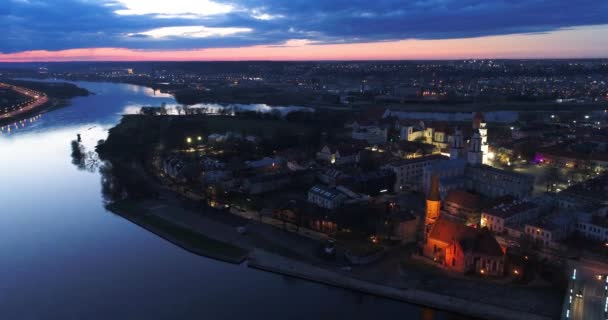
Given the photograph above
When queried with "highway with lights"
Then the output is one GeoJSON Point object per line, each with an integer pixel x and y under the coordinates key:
{"type": "Point", "coordinates": [36, 99]}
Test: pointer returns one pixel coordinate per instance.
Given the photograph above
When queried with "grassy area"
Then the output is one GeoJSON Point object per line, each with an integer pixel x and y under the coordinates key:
{"type": "Point", "coordinates": [184, 237]}
{"type": "Point", "coordinates": [271, 246]}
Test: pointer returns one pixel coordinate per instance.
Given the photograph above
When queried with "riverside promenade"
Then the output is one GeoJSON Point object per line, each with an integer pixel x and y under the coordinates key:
{"type": "Point", "coordinates": [262, 260]}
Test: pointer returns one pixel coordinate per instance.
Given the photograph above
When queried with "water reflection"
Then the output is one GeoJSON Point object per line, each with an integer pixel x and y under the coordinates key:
{"type": "Point", "coordinates": [214, 108]}
{"type": "Point", "coordinates": [21, 124]}
{"type": "Point", "coordinates": [149, 92]}
{"type": "Point", "coordinates": [83, 159]}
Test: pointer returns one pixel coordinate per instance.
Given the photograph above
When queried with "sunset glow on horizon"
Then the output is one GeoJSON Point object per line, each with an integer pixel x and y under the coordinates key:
{"type": "Point", "coordinates": [558, 44]}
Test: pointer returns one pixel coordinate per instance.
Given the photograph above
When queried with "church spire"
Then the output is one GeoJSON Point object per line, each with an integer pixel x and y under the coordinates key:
{"type": "Point", "coordinates": [434, 191]}
{"type": "Point", "coordinates": [433, 202]}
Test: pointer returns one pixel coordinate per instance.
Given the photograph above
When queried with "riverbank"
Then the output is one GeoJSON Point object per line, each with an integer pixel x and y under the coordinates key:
{"type": "Point", "coordinates": [183, 237]}
{"type": "Point", "coordinates": [58, 95]}
{"type": "Point", "coordinates": [277, 264]}
{"type": "Point", "coordinates": [275, 250]}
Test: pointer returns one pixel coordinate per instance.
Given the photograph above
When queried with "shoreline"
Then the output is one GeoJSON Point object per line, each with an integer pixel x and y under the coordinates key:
{"type": "Point", "coordinates": [261, 259]}
{"type": "Point", "coordinates": [54, 102]}
{"type": "Point", "coordinates": [172, 238]}
{"type": "Point", "coordinates": [415, 106]}
{"type": "Point", "coordinates": [275, 264]}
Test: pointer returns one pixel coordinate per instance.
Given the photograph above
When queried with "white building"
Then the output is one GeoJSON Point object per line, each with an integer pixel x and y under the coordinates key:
{"type": "Point", "coordinates": [409, 172]}
{"type": "Point", "coordinates": [493, 182]}
{"type": "Point", "coordinates": [339, 155]}
{"type": "Point", "coordinates": [325, 197]}
{"type": "Point", "coordinates": [593, 226]}
{"type": "Point", "coordinates": [451, 175]}
{"type": "Point", "coordinates": [457, 145]}
{"type": "Point", "coordinates": [517, 212]}
{"type": "Point", "coordinates": [373, 135]}
{"type": "Point", "coordinates": [548, 231]}
{"type": "Point", "coordinates": [480, 126]}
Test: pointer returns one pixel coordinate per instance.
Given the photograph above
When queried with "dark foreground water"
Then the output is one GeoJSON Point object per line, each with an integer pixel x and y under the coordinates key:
{"type": "Point", "coordinates": [63, 256]}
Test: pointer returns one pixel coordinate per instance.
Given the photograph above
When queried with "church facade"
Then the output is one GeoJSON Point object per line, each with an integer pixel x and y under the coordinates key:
{"type": "Point", "coordinates": [456, 246]}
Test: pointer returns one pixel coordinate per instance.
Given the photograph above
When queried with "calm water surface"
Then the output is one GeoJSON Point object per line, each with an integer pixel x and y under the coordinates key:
{"type": "Point", "coordinates": [63, 256]}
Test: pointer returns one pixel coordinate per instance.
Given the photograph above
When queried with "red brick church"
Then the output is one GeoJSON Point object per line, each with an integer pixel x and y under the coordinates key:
{"type": "Point", "coordinates": [456, 246]}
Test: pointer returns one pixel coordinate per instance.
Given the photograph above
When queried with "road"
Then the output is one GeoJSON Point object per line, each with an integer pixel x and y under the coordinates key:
{"type": "Point", "coordinates": [38, 99]}
{"type": "Point", "coordinates": [586, 297]}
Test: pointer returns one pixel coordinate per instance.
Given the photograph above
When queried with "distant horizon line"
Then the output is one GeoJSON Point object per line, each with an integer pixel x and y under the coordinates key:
{"type": "Point", "coordinates": [311, 60]}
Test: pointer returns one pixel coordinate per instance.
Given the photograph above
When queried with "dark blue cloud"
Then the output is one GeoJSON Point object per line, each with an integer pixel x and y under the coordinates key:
{"type": "Point", "coordinates": [66, 24]}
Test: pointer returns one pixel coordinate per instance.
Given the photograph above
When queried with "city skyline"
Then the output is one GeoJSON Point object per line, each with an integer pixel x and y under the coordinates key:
{"type": "Point", "coordinates": [125, 30]}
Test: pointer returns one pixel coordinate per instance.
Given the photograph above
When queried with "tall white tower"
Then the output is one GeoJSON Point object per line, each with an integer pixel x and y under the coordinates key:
{"type": "Point", "coordinates": [456, 147]}
{"type": "Point", "coordinates": [475, 157]}
{"type": "Point", "coordinates": [480, 125]}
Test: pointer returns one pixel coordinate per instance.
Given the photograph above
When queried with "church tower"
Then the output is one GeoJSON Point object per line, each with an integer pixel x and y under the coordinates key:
{"type": "Point", "coordinates": [475, 156]}
{"type": "Point", "coordinates": [433, 207]}
{"type": "Point", "coordinates": [433, 201]}
{"type": "Point", "coordinates": [456, 147]}
{"type": "Point", "coordinates": [480, 125]}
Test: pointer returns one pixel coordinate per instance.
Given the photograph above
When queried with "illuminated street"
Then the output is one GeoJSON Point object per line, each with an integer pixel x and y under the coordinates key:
{"type": "Point", "coordinates": [586, 296]}
{"type": "Point", "coordinates": [38, 99]}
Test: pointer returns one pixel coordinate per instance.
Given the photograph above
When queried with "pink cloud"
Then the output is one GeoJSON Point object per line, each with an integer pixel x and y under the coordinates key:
{"type": "Point", "coordinates": [570, 43]}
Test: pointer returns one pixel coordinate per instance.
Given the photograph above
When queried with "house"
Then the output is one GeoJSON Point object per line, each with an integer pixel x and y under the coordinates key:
{"type": "Point", "coordinates": [409, 172]}
{"type": "Point", "coordinates": [513, 212]}
{"type": "Point", "coordinates": [324, 197]}
{"type": "Point", "coordinates": [591, 192]}
{"type": "Point", "coordinates": [306, 215]}
{"type": "Point", "coordinates": [492, 182]}
{"type": "Point", "coordinates": [411, 149]}
{"type": "Point", "coordinates": [450, 173]}
{"type": "Point", "coordinates": [463, 204]}
{"type": "Point", "coordinates": [548, 231]}
{"type": "Point", "coordinates": [266, 182]}
{"type": "Point", "coordinates": [343, 154]}
{"type": "Point", "coordinates": [373, 135]}
{"type": "Point", "coordinates": [593, 226]}
{"type": "Point", "coordinates": [331, 177]}
{"type": "Point", "coordinates": [436, 133]}
{"type": "Point", "coordinates": [405, 227]}
{"type": "Point", "coordinates": [374, 182]}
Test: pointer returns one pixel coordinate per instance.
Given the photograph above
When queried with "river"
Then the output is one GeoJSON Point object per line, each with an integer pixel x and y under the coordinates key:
{"type": "Point", "coordinates": [63, 256]}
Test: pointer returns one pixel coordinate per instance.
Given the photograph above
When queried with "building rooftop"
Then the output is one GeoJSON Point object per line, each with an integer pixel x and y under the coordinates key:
{"type": "Point", "coordinates": [464, 198]}
{"type": "Point", "coordinates": [403, 162]}
{"type": "Point", "coordinates": [448, 164]}
{"type": "Point", "coordinates": [509, 209]}
{"type": "Point", "coordinates": [513, 174]}
{"type": "Point", "coordinates": [470, 239]}
{"type": "Point", "coordinates": [324, 192]}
